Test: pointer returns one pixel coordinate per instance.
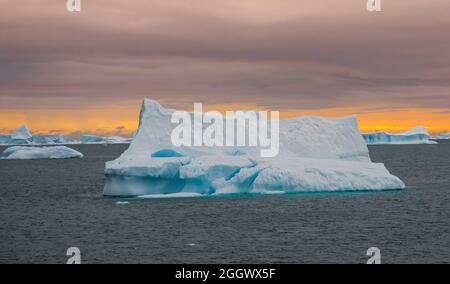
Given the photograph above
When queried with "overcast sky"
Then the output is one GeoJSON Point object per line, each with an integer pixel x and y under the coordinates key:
{"type": "Point", "coordinates": [320, 57]}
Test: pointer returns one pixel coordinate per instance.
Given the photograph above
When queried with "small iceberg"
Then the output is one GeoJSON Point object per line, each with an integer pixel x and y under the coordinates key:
{"type": "Point", "coordinates": [29, 153]}
{"type": "Point", "coordinates": [316, 155]}
{"type": "Point", "coordinates": [417, 135]}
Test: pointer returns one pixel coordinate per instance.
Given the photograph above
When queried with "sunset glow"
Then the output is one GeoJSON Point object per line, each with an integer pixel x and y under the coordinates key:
{"type": "Point", "coordinates": [87, 72]}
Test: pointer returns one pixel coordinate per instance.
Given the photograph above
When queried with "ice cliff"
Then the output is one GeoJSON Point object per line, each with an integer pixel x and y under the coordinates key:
{"type": "Point", "coordinates": [316, 154]}
{"type": "Point", "coordinates": [417, 135]}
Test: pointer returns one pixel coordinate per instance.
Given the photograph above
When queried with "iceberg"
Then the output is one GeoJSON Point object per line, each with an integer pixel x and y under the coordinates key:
{"type": "Point", "coordinates": [5, 140]}
{"type": "Point", "coordinates": [439, 136]}
{"type": "Point", "coordinates": [417, 135]}
{"type": "Point", "coordinates": [29, 152]}
{"type": "Point", "coordinates": [22, 136]}
{"type": "Point", "coordinates": [316, 154]}
{"type": "Point", "coordinates": [49, 139]}
{"type": "Point", "coordinates": [21, 133]}
{"type": "Point", "coordinates": [94, 139]}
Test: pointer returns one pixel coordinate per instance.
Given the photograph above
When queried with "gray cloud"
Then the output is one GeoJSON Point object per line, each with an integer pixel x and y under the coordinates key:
{"type": "Point", "coordinates": [305, 54]}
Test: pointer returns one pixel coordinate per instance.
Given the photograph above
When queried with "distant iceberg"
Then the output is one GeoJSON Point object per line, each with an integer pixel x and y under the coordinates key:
{"type": "Point", "coordinates": [316, 154]}
{"type": "Point", "coordinates": [417, 135]}
{"type": "Point", "coordinates": [20, 136]}
{"type": "Point", "coordinates": [50, 152]}
{"type": "Point", "coordinates": [21, 133]}
{"type": "Point", "coordinates": [23, 136]}
{"type": "Point", "coordinates": [442, 136]}
{"type": "Point", "coordinates": [94, 139]}
{"type": "Point", "coordinates": [50, 139]}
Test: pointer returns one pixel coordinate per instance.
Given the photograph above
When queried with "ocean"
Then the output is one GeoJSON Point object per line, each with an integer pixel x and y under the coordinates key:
{"type": "Point", "coordinates": [47, 206]}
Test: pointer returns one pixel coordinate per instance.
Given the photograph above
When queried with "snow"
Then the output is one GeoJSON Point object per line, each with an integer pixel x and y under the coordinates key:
{"type": "Point", "coordinates": [94, 139]}
{"type": "Point", "coordinates": [316, 154]}
{"type": "Point", "coordinates": [21, 133]}
{"type": "Point", "coordinates": [50, 152]}
{"type": "Point", "coordinates": [417, 135]}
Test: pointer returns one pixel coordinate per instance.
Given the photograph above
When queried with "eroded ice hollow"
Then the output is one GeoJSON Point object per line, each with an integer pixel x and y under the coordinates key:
{"type": "Point", "coordinates": [315, 154]}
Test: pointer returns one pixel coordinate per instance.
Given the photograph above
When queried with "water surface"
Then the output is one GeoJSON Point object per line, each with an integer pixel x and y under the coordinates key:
{"type": "Point", "coordinates": [47, 206]}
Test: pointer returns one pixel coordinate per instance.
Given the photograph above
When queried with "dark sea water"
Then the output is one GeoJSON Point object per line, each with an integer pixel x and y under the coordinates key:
{"type": "Point", "coordinates": [47, 206]}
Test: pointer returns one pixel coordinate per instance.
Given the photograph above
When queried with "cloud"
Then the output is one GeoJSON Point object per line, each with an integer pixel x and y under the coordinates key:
{"type": "Point", "coordinates": [304, 54]}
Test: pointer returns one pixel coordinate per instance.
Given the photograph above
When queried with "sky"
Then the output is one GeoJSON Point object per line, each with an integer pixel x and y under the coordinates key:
{"type": "Point", "coordinates": [88, 71]}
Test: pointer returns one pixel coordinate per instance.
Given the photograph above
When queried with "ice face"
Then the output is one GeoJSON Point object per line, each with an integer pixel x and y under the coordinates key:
{"type": "Point", "coordinates": [316, 154]}
{"type": "Point", "coordinates": [51, 152]}
{"type": "Point", "coordinates": [417, 135]}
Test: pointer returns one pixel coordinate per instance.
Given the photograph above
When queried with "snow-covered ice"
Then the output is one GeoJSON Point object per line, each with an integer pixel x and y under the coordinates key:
{"type": "Point", "coordinates": [417, 135]}
{"type": "Point", "coordinates": [316, 154]}
{"type": "Point", "coordinates": [50, 152]}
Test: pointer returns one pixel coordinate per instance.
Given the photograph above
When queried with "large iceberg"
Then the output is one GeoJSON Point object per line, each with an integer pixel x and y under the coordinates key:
{"type": "Point", "coordinates": [50, 152]}
{"type": "Point", "coordinates": [95, 139]}
{"type": "Point", "coordinates": [417, 135]}
{"type": "Point", "coordinates": [316, 154]}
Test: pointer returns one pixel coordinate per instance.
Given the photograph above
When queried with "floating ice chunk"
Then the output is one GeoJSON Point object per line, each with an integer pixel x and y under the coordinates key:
{"type": "Point", "coordinates": [316, 154]}
{"type": "Point", "coordinates": [417, 135]}
{"type": "Point", "coordinates": [51, 152]}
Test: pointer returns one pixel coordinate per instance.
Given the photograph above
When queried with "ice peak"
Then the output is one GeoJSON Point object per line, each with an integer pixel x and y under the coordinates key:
{"type": "Point", "coordinates": [21, 133]}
